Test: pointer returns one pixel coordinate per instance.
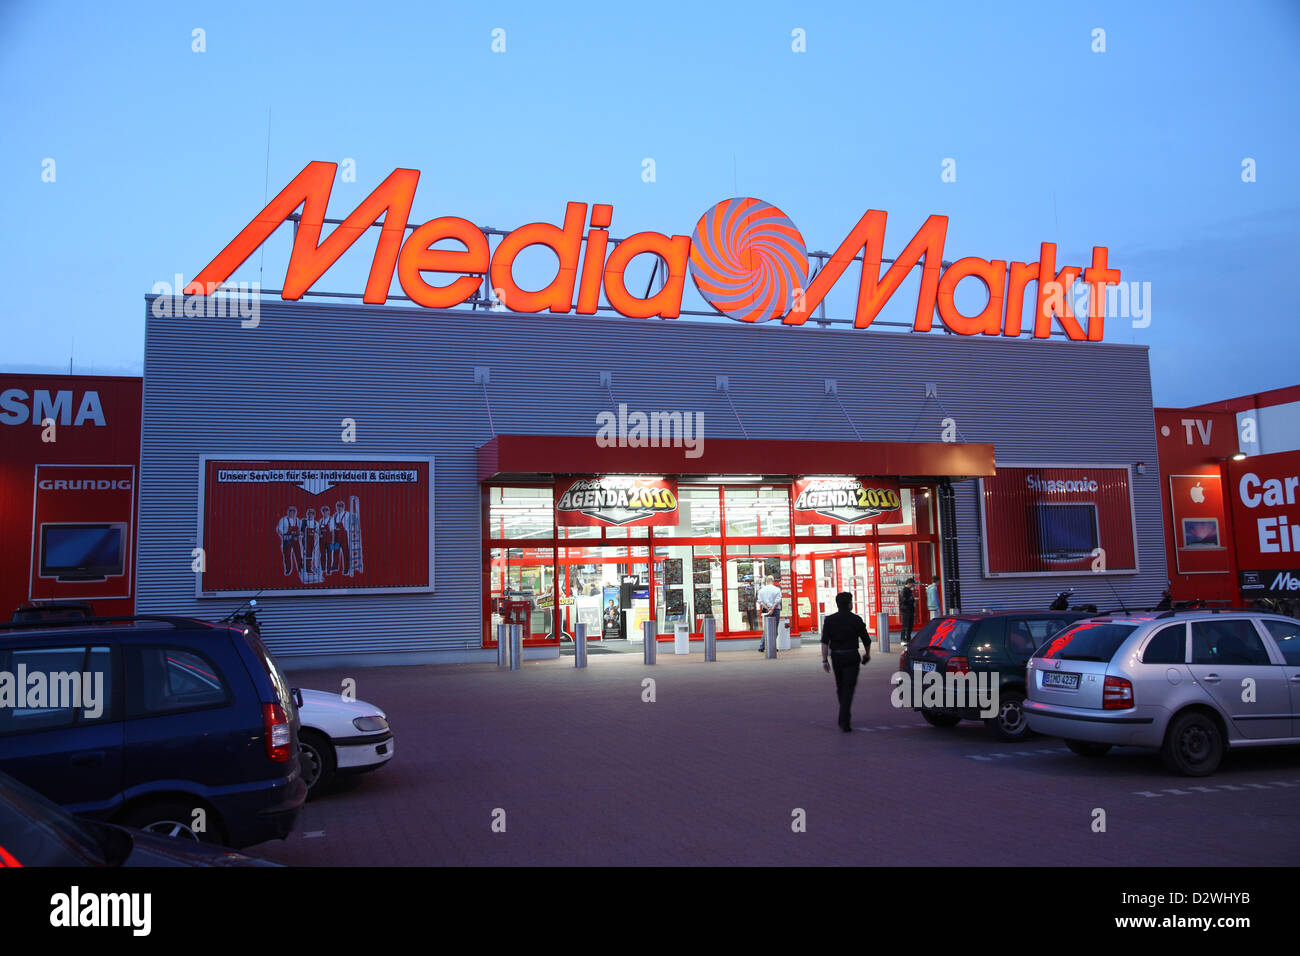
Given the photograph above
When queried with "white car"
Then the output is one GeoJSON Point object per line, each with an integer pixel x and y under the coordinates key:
{"type": "Point", "coordinates": [339, 735]}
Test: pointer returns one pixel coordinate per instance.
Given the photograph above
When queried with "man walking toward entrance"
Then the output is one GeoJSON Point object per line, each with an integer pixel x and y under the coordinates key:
{"type": "Point", "coordinates": [769, 607]}
{"type": "Point", "coordinates": [840, 636]}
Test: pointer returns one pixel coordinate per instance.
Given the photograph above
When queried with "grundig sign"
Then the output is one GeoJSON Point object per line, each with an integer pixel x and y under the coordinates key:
{"type": "Point", "coordinates": [746, 257]}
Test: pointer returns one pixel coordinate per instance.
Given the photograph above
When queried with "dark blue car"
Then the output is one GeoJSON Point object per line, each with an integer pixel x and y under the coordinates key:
{"type": "Point", "coordinates": [164, 724]}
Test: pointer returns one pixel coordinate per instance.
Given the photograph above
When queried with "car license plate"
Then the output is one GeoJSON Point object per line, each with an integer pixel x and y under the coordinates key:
{"type": "Point", "coordinates": [1067, 681]}
{"type": "Point", "coordinates": [927, 666]}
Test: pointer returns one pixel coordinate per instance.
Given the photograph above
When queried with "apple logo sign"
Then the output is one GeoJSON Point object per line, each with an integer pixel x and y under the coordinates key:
{"type": "Point", "coordinates": [1198, 493]}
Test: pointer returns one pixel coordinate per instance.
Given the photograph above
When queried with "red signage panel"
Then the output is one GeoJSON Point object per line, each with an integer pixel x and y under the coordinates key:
{"type": "Point", "coordinates": [843, 500]}
{"type": "Point", "coordinates": [616, 500]}
{"type": "Point", "coordinates": [1042, 520]}
{"type": "Point", "coordinates": [1201, 538]}
{"type": "Point", "coordinates": [1265, 495]}
{"type": "Point", "coordinates": [82, 532]}
{"type": "Point", "coordinates": [294, 526]}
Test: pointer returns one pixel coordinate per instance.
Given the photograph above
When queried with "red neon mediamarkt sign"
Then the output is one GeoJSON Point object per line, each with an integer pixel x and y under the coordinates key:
{"type": "Point", "coordinates": [745, 256]}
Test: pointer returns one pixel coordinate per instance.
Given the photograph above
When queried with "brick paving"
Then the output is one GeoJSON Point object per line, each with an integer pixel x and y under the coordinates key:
{"type": "Point", "coordinates": [714, 769]}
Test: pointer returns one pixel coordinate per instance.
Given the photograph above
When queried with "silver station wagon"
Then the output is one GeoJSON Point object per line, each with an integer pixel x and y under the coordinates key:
{"type": "Point", "coordinates": [1188, 683]}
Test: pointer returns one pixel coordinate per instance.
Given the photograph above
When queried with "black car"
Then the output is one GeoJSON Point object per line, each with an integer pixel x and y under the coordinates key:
{"type": "Point", "coordinates": [1000, 644]}
{"type": "Point", "coordinates": [36, 832]}
{"type": "Point", "coordinates": [160, 723]}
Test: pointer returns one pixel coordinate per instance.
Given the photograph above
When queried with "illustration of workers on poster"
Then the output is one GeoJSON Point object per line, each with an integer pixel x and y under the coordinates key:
{"type": "Point", "coordinates": [312, 570]}
{"type": "Point", "coordinates": [316, 521]}
{"type": "Point", "coordinates": [341, 521]}
{"type": "Point", "coordinates": [289, 531]}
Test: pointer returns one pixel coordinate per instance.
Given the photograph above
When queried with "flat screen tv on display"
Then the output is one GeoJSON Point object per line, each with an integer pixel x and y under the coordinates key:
{"type": "Point", "coordinates": [1066, 532]}
{"type": "Point", "coordinates": [82, 552]}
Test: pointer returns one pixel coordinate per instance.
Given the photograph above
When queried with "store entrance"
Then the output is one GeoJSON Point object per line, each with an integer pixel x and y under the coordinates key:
{"type": "Point", "coordinates": [873, 574]}
{"type": "Point", "coordinates": [608, 590]}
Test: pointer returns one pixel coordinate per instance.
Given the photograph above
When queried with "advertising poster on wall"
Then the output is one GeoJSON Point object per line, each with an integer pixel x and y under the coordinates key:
{"type": "Point", "coordinates": [82, 540]}
{"type": "Point", "coordinates": [1265, 495]}
{"type": "Point", "coordinates": [300, 526]}
{"type": "Point", "coordinates": [617, 500]}
{"type": "Point", "coordinates": [843, 500]}
{"type": "Point", "coordinates": [1196, 504]}
{"type": "Point", "coordinates": [1044, 520]}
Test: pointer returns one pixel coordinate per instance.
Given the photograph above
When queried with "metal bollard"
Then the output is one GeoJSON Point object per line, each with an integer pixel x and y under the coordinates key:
{"type": "Point", "coordinates": [516, 645]}
{"type": "Point", "coordinates": [580, 644]}
{"type": "Point", "coordinates": [651, 645]}
{"type": "Point", "coordinates": [503, 649]}
{"type": "Point", "coordinates": [710, 639]}
{"type": "Point", "coordinates": [882, 631]}
{"type": "Point", "coordinates": [769, 645]}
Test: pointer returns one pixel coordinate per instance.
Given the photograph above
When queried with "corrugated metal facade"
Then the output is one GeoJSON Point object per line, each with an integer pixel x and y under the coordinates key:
{"type": "Point", "coordinates": [406, 375]}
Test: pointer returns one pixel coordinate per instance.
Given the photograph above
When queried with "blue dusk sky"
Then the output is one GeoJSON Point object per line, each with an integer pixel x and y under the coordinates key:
{"type": "Point", "coordinates": [160, 153]}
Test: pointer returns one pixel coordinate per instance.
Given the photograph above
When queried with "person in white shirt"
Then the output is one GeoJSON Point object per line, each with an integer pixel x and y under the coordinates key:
{"type": "Point", "coordinates": [769, 606]}
{"type": "Point", "coordinates": [289, 531]}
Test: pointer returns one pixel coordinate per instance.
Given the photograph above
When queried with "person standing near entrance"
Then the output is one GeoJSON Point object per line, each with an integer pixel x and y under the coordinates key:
{"type": "Point", "coordinates": [906, 610]}
{"type": "Point", "coordinates": [840, 636]}
{"type": "Point", "coordinates": [769, 607]}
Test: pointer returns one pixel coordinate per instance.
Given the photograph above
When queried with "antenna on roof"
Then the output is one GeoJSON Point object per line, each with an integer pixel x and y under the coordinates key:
{"type": "Point", "coordinates": [1117, 597]}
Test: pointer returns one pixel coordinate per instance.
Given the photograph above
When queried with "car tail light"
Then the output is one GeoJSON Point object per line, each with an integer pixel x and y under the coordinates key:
{"type": "Point", "coordinates": [902, 661]}
{"type": "Point", "coordinates": [1117, 694]}
{"type": "Point", "coordinates": [957, 665]}
{"type": "Point", "coordinates": [279, 735]}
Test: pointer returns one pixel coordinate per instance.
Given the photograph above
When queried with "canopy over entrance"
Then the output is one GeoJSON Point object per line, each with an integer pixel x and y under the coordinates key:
{"type": "Point", "coordinates": [507, 456]}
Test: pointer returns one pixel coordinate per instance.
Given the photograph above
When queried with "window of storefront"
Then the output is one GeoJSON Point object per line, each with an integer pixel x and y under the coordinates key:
{"type": "Point", "coordinates": [710, 563]}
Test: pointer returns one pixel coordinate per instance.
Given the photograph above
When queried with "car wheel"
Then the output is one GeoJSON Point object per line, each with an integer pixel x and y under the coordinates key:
{"type": "Point", "coordinates": [1088, 748]}
{"type": "Point", "coordinates": [317, 758]}
{"type": "Point", "coordinates": [1010, 722]}
{"type": "Point", "coordinates": [174, 818]}
{"type": "Point", "coordinates": [1193, 745]}
{"type": "Point", "coordinates": [936, 719]}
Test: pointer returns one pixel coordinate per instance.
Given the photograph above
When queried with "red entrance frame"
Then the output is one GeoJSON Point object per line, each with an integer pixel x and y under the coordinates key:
{"type": "Point", "coordinates": [535, 460]}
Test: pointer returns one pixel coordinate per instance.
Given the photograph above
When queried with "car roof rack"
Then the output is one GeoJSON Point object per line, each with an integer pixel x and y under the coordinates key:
{"type": "Point", "coordinates": [1216, 610]}
{"type": "Point", "coordinates": [179, 623]}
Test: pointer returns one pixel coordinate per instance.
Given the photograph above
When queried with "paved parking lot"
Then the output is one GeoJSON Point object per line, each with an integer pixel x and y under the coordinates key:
{"type": "Point", "coordinates": [714, 770]}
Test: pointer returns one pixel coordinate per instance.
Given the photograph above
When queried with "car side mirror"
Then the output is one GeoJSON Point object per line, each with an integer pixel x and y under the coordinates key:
{"type": "Point", "coordinates": [297, 697]}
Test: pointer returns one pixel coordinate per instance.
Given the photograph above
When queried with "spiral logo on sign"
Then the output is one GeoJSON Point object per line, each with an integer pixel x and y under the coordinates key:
{"type": "Point", "coordinates": [748, 260]}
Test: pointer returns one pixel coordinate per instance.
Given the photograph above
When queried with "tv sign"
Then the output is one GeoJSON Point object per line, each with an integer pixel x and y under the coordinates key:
{"type": "Point", "coordinates": [746, 257]}
{"type": "Point", "coordinates": [82, 541]}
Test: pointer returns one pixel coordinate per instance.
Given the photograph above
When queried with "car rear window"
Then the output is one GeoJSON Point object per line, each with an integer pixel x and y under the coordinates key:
{"type": "Point", "coordinates": [166, 680]}
{"type": "Point", "coordinates": [945, 632]}
{"type": "Point", "coordinates": [1169, 646]}
{"type": "Point", "coordinates": [1087, 641]}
